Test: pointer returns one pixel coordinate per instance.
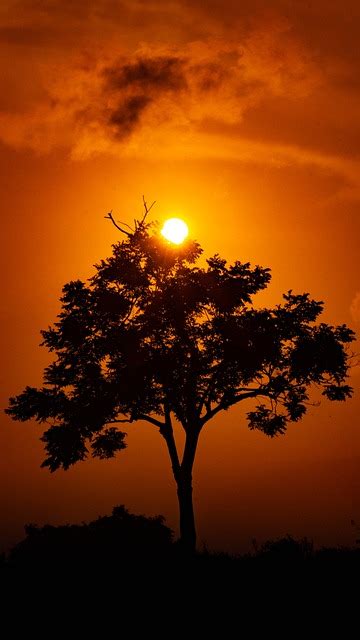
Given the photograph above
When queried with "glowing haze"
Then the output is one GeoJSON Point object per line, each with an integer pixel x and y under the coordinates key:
{"type": "Point", "coordinates": [244, 116]}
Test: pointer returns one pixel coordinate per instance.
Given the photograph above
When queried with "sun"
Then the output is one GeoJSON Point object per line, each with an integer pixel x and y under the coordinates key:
{"type": "Point", "coordinates": [175, 230]}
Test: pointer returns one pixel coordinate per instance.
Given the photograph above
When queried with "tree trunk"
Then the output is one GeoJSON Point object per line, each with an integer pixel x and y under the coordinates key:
{"type": "Point", "coordinates": [187, 520]}
{"type": "Point", "coordinates": [184, 491]}
{"type": "Point", "coordinates": [183, 478]}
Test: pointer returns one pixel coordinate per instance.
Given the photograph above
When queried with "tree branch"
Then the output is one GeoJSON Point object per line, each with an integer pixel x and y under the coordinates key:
{"type": "Point", "coordinates": [115, 421]}
{"type": "Point", "coordinates": [205, 399]}
{"type": "Point", "coordinates": [153, 421]}
{"type": "Point", "coordinates": [225, 405]}
{"type": "Point", "coordinates": [168, 435]}
{"type": "Point", "coordinates": [111, 217]}
{"type": "Point", "coordinates": [147, 209]}
{"type": "Point", "coordinates": [190, 451]}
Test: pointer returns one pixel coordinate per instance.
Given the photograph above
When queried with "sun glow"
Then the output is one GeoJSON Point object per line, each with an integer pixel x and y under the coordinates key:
{"type": "Point", "coordinates": [175, 230]}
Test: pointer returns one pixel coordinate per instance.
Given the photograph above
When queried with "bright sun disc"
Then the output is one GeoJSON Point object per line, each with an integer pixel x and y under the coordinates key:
{"type": "Point", "coordinates": [175, 230]}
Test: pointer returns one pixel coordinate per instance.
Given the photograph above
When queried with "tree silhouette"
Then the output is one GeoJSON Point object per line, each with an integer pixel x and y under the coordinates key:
{"type": "Point", "coordinates": [153, 337]}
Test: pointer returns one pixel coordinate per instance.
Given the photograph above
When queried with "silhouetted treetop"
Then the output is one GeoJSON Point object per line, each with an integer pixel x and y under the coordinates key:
{"type": "Point", "coordinates": [151, 334]}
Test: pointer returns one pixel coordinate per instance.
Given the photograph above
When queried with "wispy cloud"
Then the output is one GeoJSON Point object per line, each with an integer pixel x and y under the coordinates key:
{"type": "Point", "coordinates": [251, 89]}
{"type": "Point", "coordinates": [154, 84]}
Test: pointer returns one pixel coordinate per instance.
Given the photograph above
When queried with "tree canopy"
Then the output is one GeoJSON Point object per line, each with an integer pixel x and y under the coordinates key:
{"type": "Point", "coordinates": [152, 334]}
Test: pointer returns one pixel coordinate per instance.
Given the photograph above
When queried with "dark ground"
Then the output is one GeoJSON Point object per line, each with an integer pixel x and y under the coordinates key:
{"type": "Point", "coordinates": [124, 576]}
{"type": "Point", "coordinates": [125, 541]}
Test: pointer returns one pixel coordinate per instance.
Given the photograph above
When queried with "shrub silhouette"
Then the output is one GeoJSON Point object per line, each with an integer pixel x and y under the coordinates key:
{"type": "Point", "coordinates": [117, 540]}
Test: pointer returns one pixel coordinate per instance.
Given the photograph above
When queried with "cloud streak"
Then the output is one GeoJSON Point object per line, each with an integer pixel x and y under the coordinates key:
{"type": "Point", "coordinates": [252, 84]}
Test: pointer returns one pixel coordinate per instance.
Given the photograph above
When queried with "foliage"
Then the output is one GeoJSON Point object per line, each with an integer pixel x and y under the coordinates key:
{"type": "Point", "coordinates": [152, 334]}
{"type": "Point", "coordinates": [122, 537]}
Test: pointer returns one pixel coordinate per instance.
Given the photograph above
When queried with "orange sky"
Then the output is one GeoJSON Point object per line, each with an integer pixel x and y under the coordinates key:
{"type": "Point", "coordinates": [243, 119]}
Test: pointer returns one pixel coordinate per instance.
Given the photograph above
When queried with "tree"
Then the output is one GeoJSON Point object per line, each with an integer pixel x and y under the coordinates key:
{"type": "Point", "coordinates": [153, 337]}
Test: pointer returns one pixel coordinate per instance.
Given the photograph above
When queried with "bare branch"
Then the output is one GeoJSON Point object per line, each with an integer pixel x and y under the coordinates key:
{"type": "Point", "coordinates": [111, 217]}
{"type": "Point", "coordinates": [147, 209]}
{"type": "Point", "coordinates": [137, 223]}
{"type": "Point", "coordinates": [125, 225]}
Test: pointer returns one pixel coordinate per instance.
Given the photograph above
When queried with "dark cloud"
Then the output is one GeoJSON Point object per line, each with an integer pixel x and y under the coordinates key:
{"type": "Point", "coordinates": [148, 74]}
{"type": "Point", "coordinates": [132, 86]}
{"type": "Point", "coordinates": [124, 118]}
